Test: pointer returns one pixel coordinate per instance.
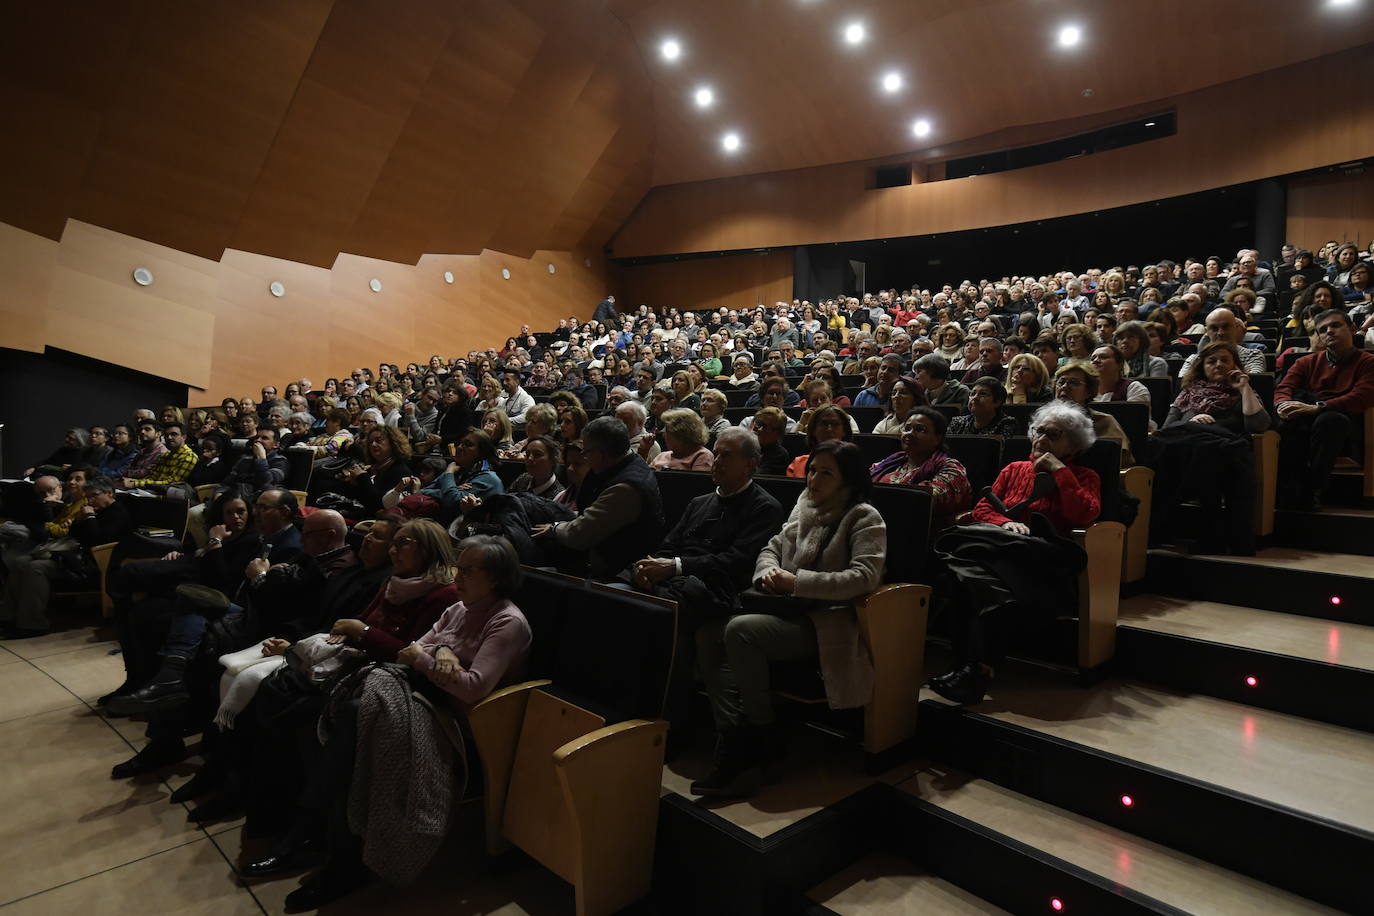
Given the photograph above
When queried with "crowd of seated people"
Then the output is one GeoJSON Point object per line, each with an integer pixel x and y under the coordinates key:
{"type": "Point", "coordinates": [241, 632]}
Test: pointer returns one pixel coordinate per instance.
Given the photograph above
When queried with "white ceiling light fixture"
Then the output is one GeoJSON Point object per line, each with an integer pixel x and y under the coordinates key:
{"type": "Point", "coordinates": [855, 33]}
{"type": "Point", "coordinates": [552, 269]}
{"type": "Point", "coordinates": [143, 276]}
{"type": "Point", "coordinates": [1069, 36]}
{"type": "Point", "coordinates": [277, 288]}
{"type": "Point", "coordinates": [1340, 4]}
{"type": "Point", "coordinates": [730, 142]}
{"type": "Point", "coordinates": [375, 285]}
{"type": "Point", "coordinates": [670, 49]}
{"type": "Point", "coordinates": [448, 276]}
{"type": "Point", "coordinates": [921, 127]}
{"type": "Point", "coordinates": [892, 81]}
{"type": "Point", "coordinates": [704, 97]}
{"type": "Point", "coordinates": [505, 273]}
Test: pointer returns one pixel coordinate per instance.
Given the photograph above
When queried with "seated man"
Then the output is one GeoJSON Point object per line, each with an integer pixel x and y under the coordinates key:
{"type": "Point", "coordinates": [516, 400]}
{"type": "Point", "coordinates": [1320, 404]}
{"type": "Point", "coordinates": [772, 393]}
{"type": "Point", "coordinates": [990, 362]}
{"type": "Point", "coordinates": [99, 520]}
{"type": "Point", "coordinates": [1223, 325]}
{"type": "Point", "coordinates": [149, 449]}
{"type": "Point", "coordinates": [634, 415]}
{"type": "Point", "coordinates": [172, 466]}
{"type": "Point", "coordinates": [621, 510]}
{"type": "Point", "coordinates": [932, 374]}
{"type": "Point", "coordinates": [769, 425]}
{"type": "Point", "coordinates": [889, 370]}
{"type": "Point", "coordinates": [708, 557]}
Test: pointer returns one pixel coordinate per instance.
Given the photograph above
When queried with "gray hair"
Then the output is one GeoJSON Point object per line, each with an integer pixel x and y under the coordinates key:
{"type": "Point", "coordinates": [83, 435]}
{"type": "Point", "coordinates": [635, 407]}
{"type": "Point", "coordinates": [1075, 421]}
{"type": "Point", "coordinates": [100, 484]}
{"type": "Point", "coordinates": [748, 442]}
{"type": "Point", "coordinates": [301, 415]}
{"type": "Point", "coordinates": [372, 414]}
{"type": "Point", "coordinates": [499, 559]}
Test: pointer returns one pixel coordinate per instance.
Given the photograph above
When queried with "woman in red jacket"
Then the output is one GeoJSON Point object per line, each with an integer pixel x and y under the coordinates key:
{"type": "Point", "coordinates": [1017, 564]}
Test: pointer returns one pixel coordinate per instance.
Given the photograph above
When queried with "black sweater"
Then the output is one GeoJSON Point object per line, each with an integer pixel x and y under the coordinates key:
{"type": "Point", "coordinates": [719, 538]}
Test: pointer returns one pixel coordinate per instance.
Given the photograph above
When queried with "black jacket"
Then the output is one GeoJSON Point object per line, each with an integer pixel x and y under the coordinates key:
{"type": "Point", "coordinates": [719, 538]}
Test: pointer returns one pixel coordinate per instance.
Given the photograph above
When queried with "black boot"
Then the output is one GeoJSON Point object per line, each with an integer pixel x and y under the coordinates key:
{"type": "Point", "coordinates": [166, 692]}
{"type": "Point", "coordinates": [207, 779]}
{"type": "Point", "coordinates": [344, 874]}
{"type": "Point", "coordinates": [154, 755]}
{"type": "Point", "coordinates": [737, 771]}
{"type": "Point", "coordinates": [964, 685]}
{"type": "Point", "coordinates": [220, 806]}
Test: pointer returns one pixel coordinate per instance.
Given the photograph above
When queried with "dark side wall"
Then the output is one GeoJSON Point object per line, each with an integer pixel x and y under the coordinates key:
{"type": "Point", "coordinates": [42, 395]}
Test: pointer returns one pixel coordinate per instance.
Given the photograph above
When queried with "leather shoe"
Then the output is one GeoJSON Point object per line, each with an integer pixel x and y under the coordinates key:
{"type": "Point", "coordinates": [203, 783]}
{"type": "Point", "coordinates": [281, 861]}
{"type": "Point", "coordinates": [966, 687]}
{"type": "Point", "coordinates": [157, 697]}
{"type": "Point", "coordinates": [153, 756]}
{"type": "Point", "coordinates": [216, 808]}
{"type": "Point", "coordinates": [122, 690]}
{"type": "Point", "coordinates": [324, 888]}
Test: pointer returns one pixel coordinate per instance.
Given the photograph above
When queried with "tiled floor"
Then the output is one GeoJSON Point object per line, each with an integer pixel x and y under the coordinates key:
{"type": "Point", "coordinates": [73, 840]}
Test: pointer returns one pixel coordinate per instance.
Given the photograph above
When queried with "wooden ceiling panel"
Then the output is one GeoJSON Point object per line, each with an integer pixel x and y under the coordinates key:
{"type": "Point", "coordinates": [368, 67]}
{"type": "Point", "coordinates": [190, 125]}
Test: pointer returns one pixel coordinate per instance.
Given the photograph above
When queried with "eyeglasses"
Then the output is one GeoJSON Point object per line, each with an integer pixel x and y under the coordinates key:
{"type": "Point", "coordinates": [1046, 432]}
{"type": "Point", "coordinates": [403, 541]}
{"type": "Point", "coordinates": [1068, 383]}
{"type": "Point", "coordinates": [468, 570]}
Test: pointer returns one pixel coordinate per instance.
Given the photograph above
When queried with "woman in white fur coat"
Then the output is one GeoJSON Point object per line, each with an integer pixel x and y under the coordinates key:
{"type": "Point", "coordinates": [830, 551]}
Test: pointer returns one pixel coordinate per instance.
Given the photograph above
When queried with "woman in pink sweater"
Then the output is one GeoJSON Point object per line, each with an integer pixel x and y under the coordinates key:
{"type": "Point", "coordinates": [482, 641]}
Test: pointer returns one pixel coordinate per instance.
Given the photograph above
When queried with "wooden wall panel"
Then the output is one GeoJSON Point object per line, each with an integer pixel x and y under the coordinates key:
{"type": "Point", "coordinates": [215, 325]}
{"type": "Point", "coordinates": [736, 281]}
{"type": "Point", "coordinates": [27, 262]}
{"type": "Point", "coordinates": [1223, 138]}
{"type": "Point", "coordinates": [1335, 206]}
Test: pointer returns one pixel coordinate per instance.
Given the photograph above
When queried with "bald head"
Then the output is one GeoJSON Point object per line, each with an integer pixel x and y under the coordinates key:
{"type": "Point", "coordinates": [322, 531]}
{"type": "Point", "coordinates": [46, 486]}
{"type": "Point", "coordinates": [1222, 325]}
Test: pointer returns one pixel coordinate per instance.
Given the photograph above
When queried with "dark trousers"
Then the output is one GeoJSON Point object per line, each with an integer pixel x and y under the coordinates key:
{"type": "Point", "coordinates": [1311, 445]}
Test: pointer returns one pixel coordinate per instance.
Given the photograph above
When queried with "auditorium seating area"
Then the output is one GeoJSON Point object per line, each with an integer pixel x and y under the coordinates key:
{"type": "Point", "coordinates": [1192, 736]}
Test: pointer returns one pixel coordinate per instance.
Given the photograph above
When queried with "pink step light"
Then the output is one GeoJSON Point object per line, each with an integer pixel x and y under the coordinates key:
{"type": "Point", "coordinates": [1056, 904]}
{"type": "Point", "coordinates": [1252, 681]}
{"type": "Point", "coordinates": [1127, 801]}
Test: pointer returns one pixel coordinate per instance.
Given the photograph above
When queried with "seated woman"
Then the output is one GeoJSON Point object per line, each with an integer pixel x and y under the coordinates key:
{"type": "Point", "coordinates": [121, 453]}
{"type": "Point", "coordinates": [1204, 450]}
{"type": "Point", "coordinates": [906, 396]}
{"type": "Point", "coordinates": [831, 550]}
{"type": "Point", "coordinates": [211, 468]}
{"type": "Point", "coordinates": [985, 417]}
{"type": "Point", "coordinates": [1109, 362]}
{"type": "Point", "coordinates": [74, 450]}
{"type": "Point", "coordinates": [685, 435]}
{"type": "Point", "coordinates": [540, 420]}
{"type": "Point", "coordinates": [1079, 341]}
{"type": "Point", "coordinates": [406, 500]}
{"type": "Point", "coordinates": [420, 589]}
{"type": "Point", "coordinates": [684, 389]}
{"type": "Point", "coordinates": [1076, 383]}
{"type": "Point", "coordinates": [1133, 341]}
{"type": "Point", "coordinates": [923, 462]}
{"type": "Point", "coordinates": [1027, 380]}
{"type": "Point", "coordinates": [571, 421]}
{"type": "Point", "coordinates": [819, 393]}
{"type": "Point", "coordinates": [542, 456]}
{"type": "Point", "coordinates": [1016, 567]}
{"type": "Point", "coordinates": [490, 394]}
{"type": "Point", "coordinates": [968, 357]}
{"type": "Point", "coordinates": [824, 424]}
{"type": "Point", "coordinates": [388, 453]}
{"type": "Point", "coordinates": [496, 426]}
{"type": "Point", "coordinates": [951, 342]}
{"type": "Point", "coordinates": [471, 476]}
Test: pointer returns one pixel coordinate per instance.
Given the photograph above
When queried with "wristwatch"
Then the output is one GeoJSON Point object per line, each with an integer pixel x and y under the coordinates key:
{"type": "Point", "coordinates": [213, 542]}
{"type": "Point", "coordinates": [1321, 405]}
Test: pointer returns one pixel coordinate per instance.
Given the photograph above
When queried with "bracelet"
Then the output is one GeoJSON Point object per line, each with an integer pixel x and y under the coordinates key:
{"type": "Point", "coordinates": [213, 542]}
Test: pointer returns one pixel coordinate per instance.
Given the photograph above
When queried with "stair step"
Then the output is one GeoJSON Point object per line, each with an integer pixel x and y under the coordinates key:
{"type": "Point", "coordinates": [1330, 586]}
{"type": "Point", "coordinates": [1116, 857]}
{"type": "Point", "coordinates": [1211, 778]}
{"type": "Point", "coordinates": [883, 884]}
{"type": "Point", "coordinates": [1312, 668]}
{"type": "Point", "coordinates": [1337, 529]}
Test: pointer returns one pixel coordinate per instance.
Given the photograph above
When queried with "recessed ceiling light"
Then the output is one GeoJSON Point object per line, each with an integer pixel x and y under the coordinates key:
{"type": "Point", "coordinates": [921, 128]}
{"type": "Point", "coordinates": [892, 81]}
{"type": "Point", "coordinates": [730, 142]}
{"type": "Point", "coordinates": [1340, 3]}
{"type": "Point", "coordinates": [705, 98]}
{"type": "Point", "coordinates": [855, 33]}
{"type": "Point", "coordinates": [1149, 123]}
{"type": "Point", "coordinates": [670, 49]}
{"type": "Point", "coordinates": [1069, 36]}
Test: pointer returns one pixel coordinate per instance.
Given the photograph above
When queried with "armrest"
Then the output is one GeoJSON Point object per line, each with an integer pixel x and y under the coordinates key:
{"type": "Point", "coordinates": [205, 491]}
{"type": "Point", "coordinates": [611, 780]}
{"type": "Point", "coordinates": [101, 553]}
{"type": "Point", "coordinates": [1139, 482]}
{"type": "Point", "coordinates": [1266, 451]}
{"type": "Point", "coordinates": [495, 724]}
{"type": "Point", "coordinates": [1099, 592]}
{"type": "Point", "coordinates": [892, 621]}
{"type": "Point", "coordinates": [1368, 491]}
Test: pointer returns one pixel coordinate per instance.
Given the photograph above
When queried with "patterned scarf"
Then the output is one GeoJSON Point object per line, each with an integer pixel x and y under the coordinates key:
{"type": "Point", "coordinates": [1207, 397]}
{"type": "Point", "coordinates": [928, 469]}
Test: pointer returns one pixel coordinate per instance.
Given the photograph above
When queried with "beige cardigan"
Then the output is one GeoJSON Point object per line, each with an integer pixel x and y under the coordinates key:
{"type": "Point", "coordinates": [837, 556]}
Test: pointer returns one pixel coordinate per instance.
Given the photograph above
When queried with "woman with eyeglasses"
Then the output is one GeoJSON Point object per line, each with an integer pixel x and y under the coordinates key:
{"type": "Point", "coordinates": [924, 462]}
{"type": "Point", "coordinates": [1076, 383]}
{"type": "Point", "coordinates": [1018, 567]}
{"type": "Point", "coordinates": [830, 551]}
{"type": "Point", "coordinates": [827, 423]}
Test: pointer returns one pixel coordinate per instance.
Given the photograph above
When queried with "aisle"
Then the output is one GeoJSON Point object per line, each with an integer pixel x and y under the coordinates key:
{"type": "Point", "coordinates": [72, 839]}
